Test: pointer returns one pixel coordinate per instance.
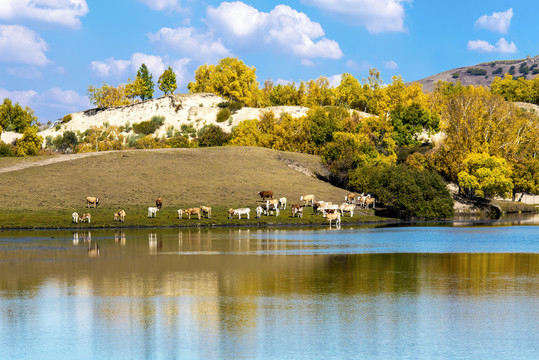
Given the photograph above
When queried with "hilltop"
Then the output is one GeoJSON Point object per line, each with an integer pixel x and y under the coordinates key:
{"type": "Point", "coordinates": [484, 73]}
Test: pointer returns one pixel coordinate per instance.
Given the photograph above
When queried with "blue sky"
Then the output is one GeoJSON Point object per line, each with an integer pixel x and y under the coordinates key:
{"type": "Point", "coordinates": [51, 50]}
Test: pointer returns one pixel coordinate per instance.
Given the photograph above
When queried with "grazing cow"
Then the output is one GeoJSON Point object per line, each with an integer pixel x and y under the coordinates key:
{"type": "Point", "coordinates": [370, 201]}
{"type": "Point", "coordinates": [193, 211]}
{"type": "Point", "coordinates": [350, 198]}
{"type": "Point", "coordinates": [121, 213]}
{"type": "Point", "coordinates": [330, 209]}
{"type": "Point", "coordinates": [259, 211]}
{"type": "Point", "coordinates": [297, 210]}
{"type": "Point", "coordinates": [266, 194]}
{"type": "Point", "coordinates": [282, 203]}
{"type": "Point", "coordinates": [117, 216]}
{"type": "Point", "coordinates": [348, 208]}
{"type": "Point", "coordinates": [270, 206]}
{"type": "Point", "coordinates": [180, 213]}
{"type": "Point", "coordinates": [335, 216]}
{"type": "Point", "coordinates": [206, 210]}
{"type": "Point", "coordinates": [86, 217]}
{"type": "Point", "coordinates": [239, 212]}
{"type": "Point", "coordinates": [152, 212]}
{"type": "Point", "coordinates": [91, 200]}
{"type": "Point", "coordinates": [159, 203]}
{"type": "Point", "coordinates": [308, 199]}
{"type": "Point", "coordinates": [362, 198]}
{"type": "Point", "coordinates": [75, 217]}
{"type": "Point", "coordinates": [318, 207]}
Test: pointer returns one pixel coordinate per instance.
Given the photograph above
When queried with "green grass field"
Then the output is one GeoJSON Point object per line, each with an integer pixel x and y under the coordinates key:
{"type": "Point", "coordinates": [221, 177]}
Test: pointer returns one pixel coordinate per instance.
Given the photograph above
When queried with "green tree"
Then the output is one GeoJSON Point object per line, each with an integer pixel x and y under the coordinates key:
{"type": "Point", "coordinates": [410, 121]}
{"type": "Point", "coordinates": [484, 175]}
{"type": "Point", "coordinates": [525, 177]}
{"type": "Point", "coordinates": [15, 117]}
{"type": "Point", "coordinates": [146, 92]}
{"type": "Point", "coordinates": [350, 93]}
{"type": "Point", "coordinates": [167, 81]}
{"type": "Point", "coordinates": [30, 143]}
{"type": "Point", "coordinates": [404, 191]}
{"type": "Point", "coordinates": [68, 140]}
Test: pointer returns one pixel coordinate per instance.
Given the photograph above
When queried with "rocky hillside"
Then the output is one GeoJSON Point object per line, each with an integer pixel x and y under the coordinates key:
{"type": "Point", "coordinates": [194, 110]}
{"type": "Point", "coordinates": [484, 74]}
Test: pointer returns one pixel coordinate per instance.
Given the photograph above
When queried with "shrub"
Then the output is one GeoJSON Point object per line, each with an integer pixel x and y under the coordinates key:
{"type": "Point", "coordinates": [455, 75]}
{"type": "Point", "coordinates": [497, 71]}
{"type": "Point", "coordinates": [233, 106]}
{"type": "Point", "coordinates": [223, 115]}
{"type": "Point", "coordinates": [212, 135]}
{"type": "Point", "coordinates": [57, 127]}
{"type": "Point", "coordinates": [66, 141]}
{"type": "Point", "coordinates": [524, 69]}
{"type": "Point", "coordinates": [178, 142]}
{"type": "Point", "coordinates": [149, 127]}
{"type": "Point", "coordinates": [476, 71]}
{"type": "Point", "coordinates": [66, 118]}
{"type": "Point", "coordinates": [511, 70]}
{"type": "Point", "coordinates": [6, 150]}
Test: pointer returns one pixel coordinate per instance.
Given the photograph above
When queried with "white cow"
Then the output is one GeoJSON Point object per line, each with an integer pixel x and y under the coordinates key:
{"type": "Point", "coordinates": [282, 203]}
{"type": "Point", "coordinates": [270, 207]}
{"type": "Point", "coordinates": [348, 208]}
{"type": "Point", "coordinates": [180, 213]}
{"type": "Point", "coordinates": [308, 199]}
{"type": "Point", "coordinates": [335, 216]}
{"type": "Point", "coordinates": [239, 212]}
{"type": "Point", "coordinates": [152, 212]}
{"type": "Point", "coordinates": [259, 211]}
{"type": "Point", "coordinates": [75, 217]}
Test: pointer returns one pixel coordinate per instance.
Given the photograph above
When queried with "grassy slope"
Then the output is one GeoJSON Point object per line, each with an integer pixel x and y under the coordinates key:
{"type": "Point", "coordinates": [220, 177]}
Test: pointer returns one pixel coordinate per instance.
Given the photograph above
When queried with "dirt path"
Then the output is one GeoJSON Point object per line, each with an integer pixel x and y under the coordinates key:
{"type": "Point", "coordinates": [53, 160]}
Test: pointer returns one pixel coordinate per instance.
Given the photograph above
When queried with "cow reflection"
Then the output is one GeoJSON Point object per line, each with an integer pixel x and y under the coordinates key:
{"type": "Point", "coordinates": [154, 244]}
{"type": "Point", "coordinates": [93, 251]}
{"type": "Point", "coordinates": [119, 237]}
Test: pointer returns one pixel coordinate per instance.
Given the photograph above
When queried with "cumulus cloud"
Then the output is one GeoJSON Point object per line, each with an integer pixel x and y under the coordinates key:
{"type": "Point", "coordinates": [118, 68]}
{"type": "Point", "coordinates": [64, 12]}
{"type": "Point", "coordinates": [497, 22]}
{"type": "Point", "coordinates": [283, 30]}
{"type": "Point", "coordinates": [50, 104]}
{"type": "Point", "coordinates": [307, 62]}
{"type": "Point", "coordinates": [392, 65]}
{"type": "Point", "coordinates": [190, 43]}
{"type": "Point", "coordinates": [19, 44]}
{"type": "Point", "coordinates": [376, 16]}
{"type": "Point", "coordinates": [334, 80]}
{"type": "Point", "coordinates": [502, 46]}
{"type": "Point", "coordinates": [160, 5]}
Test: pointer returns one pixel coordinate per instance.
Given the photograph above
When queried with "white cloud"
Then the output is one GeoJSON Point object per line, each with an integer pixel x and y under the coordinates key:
{"type": "Point", "coordinates": [307, 62]}
{"type": "Point", "coordinates": [19, 44]}
{"type": "Point", "coordinates": [502, 46]}
{"type": "Point", "coordinates": [188, 42]}
{"type": "Point", "coordinates": [498, 22]}
{"type": "Point", "coordinates": [160, 5]}
{"type": "Point", "coordinates": [49, 105]}
{"type": "Point", "coordinates": [375, 15]}
{"type": "Point", "coordinates": [64, 12]}
{"type": "Point", "coordinates": [30, 73]}
{"type": "Point", "coordinates": [118, 68]}
{"type": "Point", "coordinates": [392, 65]}
{"type": "Point", "coordinates": [283, 29]}
{"type": "Point", "coordinates": [335, 80]}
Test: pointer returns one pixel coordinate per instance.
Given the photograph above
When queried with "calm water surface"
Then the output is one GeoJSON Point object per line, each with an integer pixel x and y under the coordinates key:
{"type": "Point", "coordinates": [450, 292]}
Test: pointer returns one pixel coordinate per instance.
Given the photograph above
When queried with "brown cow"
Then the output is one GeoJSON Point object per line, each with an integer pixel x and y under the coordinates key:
{"type": "Point", "coordinates": [192, 211]}
{"type": "Point", "coordinates": [206, 210]}
{"type": "Point", "coordinates": [350, 198]}
{"type": "Point", "coordinates": [297, 210]}
{"type": "Point", "coordinates": [266, 194]}
{"type": "Point", "coordinates": [86, 217]}
{"type": "Point", "coordinates": [91, 200]}
{"type": "Point", "coordinates": [159, 203]}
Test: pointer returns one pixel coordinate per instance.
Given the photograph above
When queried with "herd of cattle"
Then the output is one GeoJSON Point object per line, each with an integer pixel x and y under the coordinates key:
{"type": "Point", "coordinates": [268, 206]}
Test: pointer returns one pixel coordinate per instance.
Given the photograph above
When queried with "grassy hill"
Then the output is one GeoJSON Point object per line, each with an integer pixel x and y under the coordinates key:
{"type": "Point", "coordinates": [222, 177]}
{"type": "Point", "coordinates": [484, 74]}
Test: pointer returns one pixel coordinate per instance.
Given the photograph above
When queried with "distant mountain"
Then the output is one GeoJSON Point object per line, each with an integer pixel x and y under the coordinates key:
{"type": "Point", "coordinates": [484, 74]}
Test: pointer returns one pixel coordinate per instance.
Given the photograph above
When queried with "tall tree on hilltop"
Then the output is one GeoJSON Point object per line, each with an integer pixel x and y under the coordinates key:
{"type": "Point", "coordinates": [147, 91]}
{"type": "Point", "coordinates": [167, 81]}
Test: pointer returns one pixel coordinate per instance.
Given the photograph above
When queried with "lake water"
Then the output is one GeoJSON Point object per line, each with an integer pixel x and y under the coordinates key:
{"type": "Point", "coordinates": [421, 292]}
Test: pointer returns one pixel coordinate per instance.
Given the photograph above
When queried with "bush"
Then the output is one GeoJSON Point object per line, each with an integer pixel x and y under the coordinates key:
{"type": "Point", "coordinates": [512, 70]}
{"type": "Point", "coordinates": [223, 115]}
{"type": "Point", "coordinates": [178, 142]}
{"type": "Point", "coordinates": [406, 192]}
{"type": "Point", "coordinates": [497, 71]}
{"type": "Point", "coordinates": [233, 106]}
{"type": "Point", "coordinates": [66, 141]}
{"type": "Point", "coordinates": [476, 71]}
{"type": "Point", "coordinates": [213, 136]}
{"type": "Point", "coordinates": [6, 150]}
{"type": "Point", "coordinates": [149, 127]}
{"type": "Point", "coordinates": [455, 75]}
{"type": "Point", "coordinates": [66, 118]}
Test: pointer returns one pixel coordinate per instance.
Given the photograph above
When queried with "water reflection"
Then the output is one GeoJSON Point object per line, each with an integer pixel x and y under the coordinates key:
{"type": "Point", "coordinates": [260, 293]}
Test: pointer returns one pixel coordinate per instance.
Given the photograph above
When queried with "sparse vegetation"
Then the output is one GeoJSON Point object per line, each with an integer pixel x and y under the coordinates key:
{"type": "Point", "coordinates": [149, 127]}
{"type": "Point", "coordinates": [476, 71]}
{"type": "Point", "coordinates": [223, 115]}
